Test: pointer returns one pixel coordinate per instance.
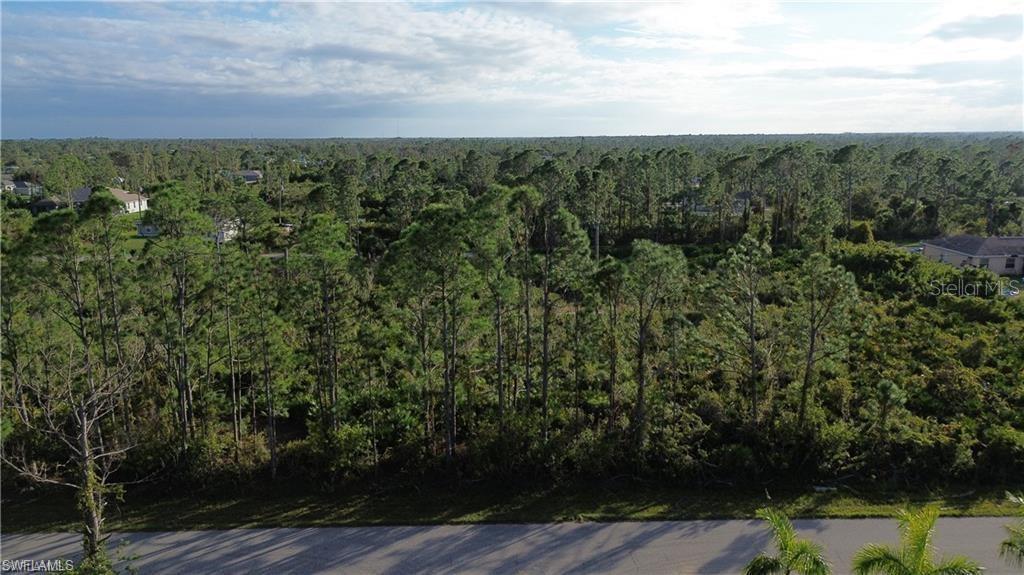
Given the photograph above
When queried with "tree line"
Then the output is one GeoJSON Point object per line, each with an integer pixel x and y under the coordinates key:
{"type": "Point", "coordinates": [706, 316]}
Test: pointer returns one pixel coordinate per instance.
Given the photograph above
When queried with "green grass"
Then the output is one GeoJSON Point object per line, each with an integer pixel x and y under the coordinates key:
{"type": "Point", "coordinates": [241, 507]}
{"type": "Point", "coordinates": [135, 244]}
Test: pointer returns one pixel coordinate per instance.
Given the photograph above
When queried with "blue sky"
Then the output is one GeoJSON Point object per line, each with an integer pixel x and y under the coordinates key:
{"type": "Point", "coordinates": [146, 69]}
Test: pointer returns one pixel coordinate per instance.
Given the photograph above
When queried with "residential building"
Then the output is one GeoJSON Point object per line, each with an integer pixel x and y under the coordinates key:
{"type": "Point", "coordinates": [226, 231]}
{"type": "Point", "coordinates": [250, 176]}
{"type": "Point", "coordinates": [47, 204]}
{"type": "Point", "coordinates": [26, 189]}
{"type": "Point", "coordinates": [1003, 255]}
{"type": "Point", "coordinates": [131, 202]}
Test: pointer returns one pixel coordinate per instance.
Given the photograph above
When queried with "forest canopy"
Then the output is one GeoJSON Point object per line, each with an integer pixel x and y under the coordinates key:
{"type": "Point", "coordinates": [693, 309]}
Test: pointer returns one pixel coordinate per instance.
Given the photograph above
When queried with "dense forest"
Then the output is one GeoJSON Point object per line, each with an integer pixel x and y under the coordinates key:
{"type": "Point", "coordinates": [700, 310]}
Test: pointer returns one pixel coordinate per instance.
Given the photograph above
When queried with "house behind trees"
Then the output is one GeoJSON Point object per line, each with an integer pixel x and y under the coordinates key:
{"type": "Point", "coordinates": [23, 188]}
{"type": "Point", "coordinates": [1002, 255]}
{"type": "Point", "coordinates": [131, 202]}
{"type": "Point", "coordinates": [250, 176]}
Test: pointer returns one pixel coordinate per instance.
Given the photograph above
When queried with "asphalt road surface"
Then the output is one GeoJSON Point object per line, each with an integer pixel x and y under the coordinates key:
{"type": "Point", "coordinates": [629, 547]}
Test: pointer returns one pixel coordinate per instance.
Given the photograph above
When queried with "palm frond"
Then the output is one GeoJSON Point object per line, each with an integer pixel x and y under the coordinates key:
{"type": "Point", "coordinates": [879, 560]}
{"type": "Point", "coordinates": [781, 527]}
{"type": "Point", "coordinates": [1012, 548]}
{"type": "Point", "coordinates": [917, 536]}
{"type": "Point", "coordinates": [808, 558]}
{"type": "Point", "coordinates": [763, 565]}
{"type": "Point", "coordinates": [956, 566]}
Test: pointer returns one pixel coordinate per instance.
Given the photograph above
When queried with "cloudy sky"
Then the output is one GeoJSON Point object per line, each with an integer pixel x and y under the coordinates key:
{"type": "Point", "coordinates": [143, 69]}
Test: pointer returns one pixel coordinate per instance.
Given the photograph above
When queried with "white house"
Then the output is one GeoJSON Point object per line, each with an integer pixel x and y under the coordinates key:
{"type": "Point", "coordinates": [226, 231]}
{"type": "Point", "coordinates": [1002, 255]}
{"type": "Point", "coordinates": [133, 202]}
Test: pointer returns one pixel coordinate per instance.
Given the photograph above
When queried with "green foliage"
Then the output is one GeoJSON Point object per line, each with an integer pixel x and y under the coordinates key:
{"type": "Point", "coordinates": [795, 555]}
{"type": "Point", "coordinates": [1012, 548]}
{"type": "Point", "coordinates": [914, 554]}
{"type": "Point", "coordinates": [215, 458]}
{"type": "Point", "coordinates": [518, 310]}
{"type": "Point", "coordinates": [1003, 456]}
{"type": "Point", "coordinates": [861, 233]}
{"type": "Point", "coordinates": [330, 456]}
{"type": "Point", "coordinates": [98, 564]}
{"type": "Point", "coordinates": [64, 175]}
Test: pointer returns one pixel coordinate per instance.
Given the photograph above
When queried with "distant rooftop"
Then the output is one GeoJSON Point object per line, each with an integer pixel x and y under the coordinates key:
{"type": "Point", "coordinates": [82, 195]}
{"type": "Point", "coordinates": [981, 246]}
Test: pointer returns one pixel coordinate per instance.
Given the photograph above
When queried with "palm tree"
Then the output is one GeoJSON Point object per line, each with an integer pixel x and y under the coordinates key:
{"type": "Point", "coordinates": [913, 556]}
{"type": "Point", "coordinates": [1012, 548]}
{"type": "Point", "coordinates": [795, 555]}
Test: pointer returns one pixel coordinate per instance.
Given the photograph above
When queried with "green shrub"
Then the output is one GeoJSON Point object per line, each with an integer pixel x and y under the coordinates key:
{"type": "Point", "coordinates": [1003, 456]}
{"type": "Point", "coordinates": [862, 233]}
{"type": "Point", "coordinates": [328, 457]}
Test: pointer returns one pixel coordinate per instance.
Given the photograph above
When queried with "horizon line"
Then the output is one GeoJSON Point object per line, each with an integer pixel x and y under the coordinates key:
{"type": "Point", "coordinates": [546, 137]}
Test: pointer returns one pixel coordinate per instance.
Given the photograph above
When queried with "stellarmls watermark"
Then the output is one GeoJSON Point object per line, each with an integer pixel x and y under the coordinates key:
{"type": "Point", "coordinates": [1002, 286]}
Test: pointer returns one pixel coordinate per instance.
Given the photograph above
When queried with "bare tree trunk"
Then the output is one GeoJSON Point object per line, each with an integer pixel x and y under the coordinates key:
{"type": "Point", "coordinates": [236, 423]}
{"type": "Point", "coordinates": [90, 494]}
{"type": "Point", "coordinates": [528, 385]}
{"type": "Point", "coordinates": [849, 201]}
{"type": "Point", "coordinates": [613, 367]}
{"type": "Point", "coordinates": [267, 384]}
{"type": "Point", "coordinates": [809, 363]}
{"type": "Point", "coordinates": [88, 419]}
{"type": "Point", "coordinates": [373, 422]}
{"type": "Point", "coordinates": [332, 353]}
{"type": "Point", "coordinates": [271, 424]}
{"type": "Point", "coordinates": [498, 359]}
{"type": "Point", "coordinates": [640, 414]}
{"type": "Point", "coordinates": [809, 366]}
{"type": "Point", "coordinates": [576, 362]}
{"type": "Point", "coordinates": [447, 349]}
{"type": "Point", "coordinates": [126, 405]}
{"type": "Point", "coordinates": [546, 343]}
{"type": "Point", "coordinates": [754, 355]}
{"type": "Point", "coordinates": [253, 423]}
{"type": "Point", "coordinates": [428, 399]}
{"type": "Point", "coordinates": [184, 391]}
{"type": "Point", "coordinates": [453, 357]}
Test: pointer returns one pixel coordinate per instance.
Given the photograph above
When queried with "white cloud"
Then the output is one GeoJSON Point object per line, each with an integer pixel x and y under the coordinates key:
{"type": "Point", "coordinates": [694, 64]}
{"type": "Point", "coordinates": [952, 11]}
{"type": "Point", "coordinates": [723, 20]}
{"type": "Point", "coordinates": [897, 56]}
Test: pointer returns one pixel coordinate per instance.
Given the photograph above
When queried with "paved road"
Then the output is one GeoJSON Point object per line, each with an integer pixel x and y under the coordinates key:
{"type": "Point", "coordinates": [648, 548]}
